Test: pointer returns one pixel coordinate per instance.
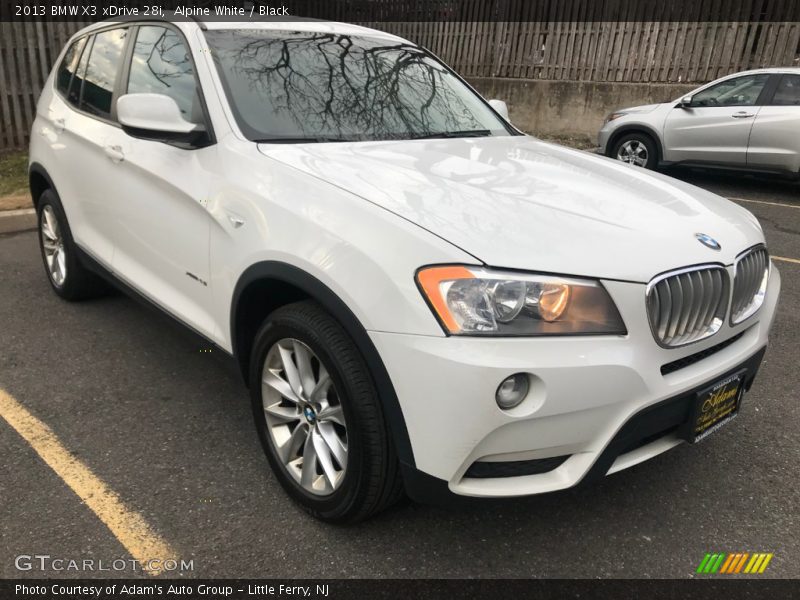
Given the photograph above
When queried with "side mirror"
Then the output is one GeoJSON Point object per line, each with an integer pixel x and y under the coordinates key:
{"type": "Point", "coordinates": [153, 116]}
{"type": "Point", "coordinates": [685, 102]}
{"type": "Point", "coordinates": [500, 108]}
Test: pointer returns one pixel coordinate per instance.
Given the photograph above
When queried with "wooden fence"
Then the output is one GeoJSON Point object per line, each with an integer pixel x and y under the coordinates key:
{"type": "Point", "coordinates": [635, 51]}
{"type": "Point", "coordinates": [27, 52]}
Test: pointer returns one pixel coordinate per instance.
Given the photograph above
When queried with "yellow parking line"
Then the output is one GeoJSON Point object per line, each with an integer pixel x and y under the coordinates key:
{"type": "Point", "coordinates": [784, 259]}
{"type": "Point", "coordinates": [765, 202]}
{"type": "Point", "coordinates": [127, 526]}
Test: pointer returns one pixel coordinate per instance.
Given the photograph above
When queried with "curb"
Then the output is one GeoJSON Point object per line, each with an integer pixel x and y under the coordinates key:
{"type": "Point", "coordinates": [12, 221]}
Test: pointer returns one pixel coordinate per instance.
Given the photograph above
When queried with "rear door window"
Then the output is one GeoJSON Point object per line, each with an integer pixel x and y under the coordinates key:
{"type": "Point", "coordinates": [788, 91]}
{"type": "Point", "coordinates": [105, 61]}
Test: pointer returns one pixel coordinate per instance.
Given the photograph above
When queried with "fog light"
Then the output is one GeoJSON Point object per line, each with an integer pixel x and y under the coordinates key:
{"type": "Point", "coordinates": [512, 391]}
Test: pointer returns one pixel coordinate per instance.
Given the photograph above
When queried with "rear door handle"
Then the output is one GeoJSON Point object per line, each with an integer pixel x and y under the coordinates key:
{"type": "Point", "coordinates": [114, 153]}
{"type": "Point", "coordinates": [742, 115]}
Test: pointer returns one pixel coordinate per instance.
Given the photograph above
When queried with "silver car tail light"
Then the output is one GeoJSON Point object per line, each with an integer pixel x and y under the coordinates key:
{"type": "Point", "coordinates": [688, 305]}
{"type": "Point", "coordinates": [751, 273]}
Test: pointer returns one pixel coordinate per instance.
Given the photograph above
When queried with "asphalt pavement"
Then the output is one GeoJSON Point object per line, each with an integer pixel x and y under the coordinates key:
{"type": "Point", "coordinates": [166, 426]}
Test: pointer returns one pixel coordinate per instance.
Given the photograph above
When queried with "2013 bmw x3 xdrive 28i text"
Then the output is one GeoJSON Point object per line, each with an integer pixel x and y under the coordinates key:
{"type": "Point", "coordinates": [419, 296]}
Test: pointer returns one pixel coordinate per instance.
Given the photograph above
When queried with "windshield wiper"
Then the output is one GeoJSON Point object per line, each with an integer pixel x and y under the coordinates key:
{"type": "Point", "coordinates": [454, 134]}
{"type": "Point", "coordinates": [314, 139]}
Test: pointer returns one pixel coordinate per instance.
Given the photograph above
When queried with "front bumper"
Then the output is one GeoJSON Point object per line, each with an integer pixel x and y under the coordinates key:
{"type": "Point", "coordinates": [602, 139]}
{"type": "Point", "coordinates": [585, 390]}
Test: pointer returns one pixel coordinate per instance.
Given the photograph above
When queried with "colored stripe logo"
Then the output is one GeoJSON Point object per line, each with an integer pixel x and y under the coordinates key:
{"type": "Point", "coordinates": [735, 562]}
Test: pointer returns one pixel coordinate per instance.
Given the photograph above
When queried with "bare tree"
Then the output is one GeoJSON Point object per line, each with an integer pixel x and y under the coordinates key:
{"type": "Point", "coordinates": [324, 83]}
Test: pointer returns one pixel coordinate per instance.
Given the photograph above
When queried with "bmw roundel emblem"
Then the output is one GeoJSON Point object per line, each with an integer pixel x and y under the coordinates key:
{"type": "Point", "coordinates": [708, 241]}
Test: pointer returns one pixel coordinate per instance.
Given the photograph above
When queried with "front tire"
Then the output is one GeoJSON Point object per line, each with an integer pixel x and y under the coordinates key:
{"type": "Point", "coordinates": [319, 417]}
{"type": "Point", "coordinates": [636, 149]}
{"type": "Point", "coordinates": [68, 277]}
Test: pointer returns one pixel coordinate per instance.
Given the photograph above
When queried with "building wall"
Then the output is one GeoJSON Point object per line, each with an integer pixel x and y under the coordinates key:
{"type": "Point", "coordinates": [571, 107]}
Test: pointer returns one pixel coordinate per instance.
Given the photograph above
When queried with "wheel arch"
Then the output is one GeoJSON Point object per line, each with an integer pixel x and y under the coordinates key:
{"type": "Point", "coordinates": [268, 285]}
{"type": "Point", "coordinates": [635, 128]}
{"type": "Point", "coordinates": [39, 181]}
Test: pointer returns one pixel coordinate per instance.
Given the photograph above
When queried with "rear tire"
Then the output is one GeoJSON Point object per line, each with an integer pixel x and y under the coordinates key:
{"type": "Point", "coordinates": [637, 149]}
{"type": "Point", "coordinates": [328, 447]}
{"type": "Point", "coordinates": [67, 276]}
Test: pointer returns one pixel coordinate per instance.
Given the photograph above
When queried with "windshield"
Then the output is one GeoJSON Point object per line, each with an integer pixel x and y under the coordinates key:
{"type": "Point", "coordinates": [308, 86]}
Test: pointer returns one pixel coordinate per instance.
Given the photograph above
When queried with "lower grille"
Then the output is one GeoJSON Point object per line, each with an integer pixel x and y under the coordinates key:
{"type": "Point", "coordinates": [749, 283]}
{"type": "Point", "coordinates": [687, 305]}
{"type": "Point", "coordinates": [687, 361]}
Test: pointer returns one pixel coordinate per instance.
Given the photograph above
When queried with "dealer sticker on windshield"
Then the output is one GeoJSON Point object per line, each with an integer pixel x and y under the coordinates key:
{"type": "Point", "coordinates": [716, 406]}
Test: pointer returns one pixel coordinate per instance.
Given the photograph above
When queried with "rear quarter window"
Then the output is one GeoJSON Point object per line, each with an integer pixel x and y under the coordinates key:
{"type": "Point", "coordinates": [68, 65]}
{"type": "Point", "coordinates": [74, 96]}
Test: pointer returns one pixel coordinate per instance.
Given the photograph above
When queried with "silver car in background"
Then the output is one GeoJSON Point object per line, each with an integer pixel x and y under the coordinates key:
{"type": "Point", "coordinates": [749, 121]}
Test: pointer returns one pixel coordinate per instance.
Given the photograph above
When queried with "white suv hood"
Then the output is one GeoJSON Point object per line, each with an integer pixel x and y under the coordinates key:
{"type": "Point", "coordinates": [519, 203]}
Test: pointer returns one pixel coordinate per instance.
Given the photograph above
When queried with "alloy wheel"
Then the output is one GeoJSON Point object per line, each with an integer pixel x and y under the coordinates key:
{"type": "Point", "coordinates": [633, 152]}
{"type": "Point", "coordinates": [304, 417]}
{"type": "Point", "coordinates": [53, 244]}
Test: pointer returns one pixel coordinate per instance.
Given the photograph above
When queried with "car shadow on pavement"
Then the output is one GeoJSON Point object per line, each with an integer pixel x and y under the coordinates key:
{"type": "Point", "coordinates": [755, 186]}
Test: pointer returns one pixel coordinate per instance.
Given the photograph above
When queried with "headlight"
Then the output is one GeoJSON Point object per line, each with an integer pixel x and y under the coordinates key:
{"type": "Point", "coordinates": [615, 115]}
{"type": "Point", "coordinates": [475, 301]}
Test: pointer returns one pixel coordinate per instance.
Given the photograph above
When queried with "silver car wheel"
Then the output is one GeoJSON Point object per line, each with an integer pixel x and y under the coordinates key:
{"type": "Point", "coordinates": [633, 152]}
{"type": "Point", "coordinates": [304, 417]}
{"type": "Point", "coordinates": [53, 244]}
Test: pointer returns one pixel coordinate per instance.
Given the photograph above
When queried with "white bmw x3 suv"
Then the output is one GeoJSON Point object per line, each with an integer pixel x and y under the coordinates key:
{"type": "Point", "coordinates": [419, 296]}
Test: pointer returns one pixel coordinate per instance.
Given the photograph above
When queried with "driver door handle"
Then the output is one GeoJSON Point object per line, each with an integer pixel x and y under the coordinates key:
{"type": "Point", "coordinates": [115, 153]}
{"type": "Point", "coordinates": [742, 115]}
